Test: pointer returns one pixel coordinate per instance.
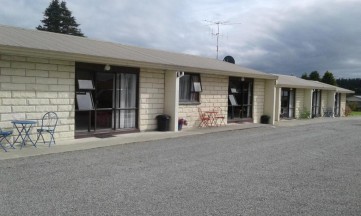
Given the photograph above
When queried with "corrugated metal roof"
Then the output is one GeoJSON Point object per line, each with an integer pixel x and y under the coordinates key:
{"type": "Point", "coordinates": [13, 37]}
{"type": "Point", "coordinates": [338, 89]}
{"type": "Point", "coordinates": [296, 82]}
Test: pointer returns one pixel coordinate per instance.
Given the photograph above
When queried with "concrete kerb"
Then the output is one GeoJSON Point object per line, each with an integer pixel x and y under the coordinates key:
{"type": "Point", "coordinates": [295, 122]}
{"type": "Point", "coordinates": [93, 142]}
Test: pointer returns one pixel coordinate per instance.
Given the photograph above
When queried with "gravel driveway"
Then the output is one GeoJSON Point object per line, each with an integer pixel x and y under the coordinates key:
{"type": "Point", "coordinates": [301, 170]}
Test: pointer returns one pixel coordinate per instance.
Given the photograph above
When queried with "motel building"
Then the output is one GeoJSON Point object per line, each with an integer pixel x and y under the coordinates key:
{"type": "Point", "coordinates": [97, 87]}
{"type": "Point", "coordinates": [297, 97]}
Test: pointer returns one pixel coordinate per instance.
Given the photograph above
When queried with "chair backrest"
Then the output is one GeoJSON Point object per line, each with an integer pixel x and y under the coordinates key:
{"type": "Point", "coordinates": [218, 110]}
{"type": "Point", "coordinates": [50, 120]}
{"type": "Point", "coordinates": [201, 113]}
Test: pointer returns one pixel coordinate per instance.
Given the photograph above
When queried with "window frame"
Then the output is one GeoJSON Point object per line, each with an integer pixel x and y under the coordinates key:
{"type": "Point", "coordinates": [192, 96]}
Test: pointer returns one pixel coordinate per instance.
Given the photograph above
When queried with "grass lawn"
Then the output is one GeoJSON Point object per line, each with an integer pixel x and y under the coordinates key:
{"type": "Point", "coordinates": [356, 113]}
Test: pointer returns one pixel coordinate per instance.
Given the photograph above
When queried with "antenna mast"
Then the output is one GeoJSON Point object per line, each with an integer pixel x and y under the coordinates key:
{"type": "Point", "coordinates": [217, 34]}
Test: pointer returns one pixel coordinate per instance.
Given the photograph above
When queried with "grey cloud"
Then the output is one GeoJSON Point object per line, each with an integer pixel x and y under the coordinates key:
{"type": "Point", "coordinates": [322, 38]}
{"type": "Point", "coordinates": [274, 36]}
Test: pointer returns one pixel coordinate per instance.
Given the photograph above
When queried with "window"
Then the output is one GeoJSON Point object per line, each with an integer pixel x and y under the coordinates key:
{"type": "Point", "coordinates": [84, 101]}
{"type": "Point", "coordinates": [189, 88]}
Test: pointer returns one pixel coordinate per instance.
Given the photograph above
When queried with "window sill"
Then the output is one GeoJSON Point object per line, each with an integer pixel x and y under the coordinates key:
{"type": "Point", "coordinates": [189, 103]}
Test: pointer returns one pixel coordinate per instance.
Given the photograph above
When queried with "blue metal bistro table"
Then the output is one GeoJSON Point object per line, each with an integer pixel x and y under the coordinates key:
{"type": "Point", "coordinates": [23, 127]}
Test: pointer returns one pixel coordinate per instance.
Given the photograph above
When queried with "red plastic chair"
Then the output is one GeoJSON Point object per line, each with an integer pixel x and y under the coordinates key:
{"type": "Point", "coordinates": [204, 118]}
{"type": "Point", "coordinates": [219, 117]}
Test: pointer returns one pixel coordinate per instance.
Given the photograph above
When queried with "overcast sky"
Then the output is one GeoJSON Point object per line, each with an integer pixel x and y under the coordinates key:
{"type": "Point", "coordinates": [275, 36]}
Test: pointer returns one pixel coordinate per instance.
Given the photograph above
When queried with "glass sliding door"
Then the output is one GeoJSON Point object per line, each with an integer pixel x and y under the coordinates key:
{"type": "Point", "coordinates": [316, 103]}
{"type": "Point", "coordinates": [287, 103]}
{"type": "Point", "coordinates": [291, 107]}
{"type": "Point", "coordinates": [126, 103]}
{"type": "Point", "coordinates": [337, 104]}
{"type": "Point", "coordinates": [115, 97]}
{"type": "Point", "coordinates": [104, 97]}
{"type": "Point", "coordinates": [84, 115]}
{"type": "Point", "coordinates": [240, 98]}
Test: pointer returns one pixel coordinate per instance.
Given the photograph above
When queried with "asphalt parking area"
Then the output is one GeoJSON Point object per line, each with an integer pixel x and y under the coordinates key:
{"type": "Point", "coordinates": [300, 170]}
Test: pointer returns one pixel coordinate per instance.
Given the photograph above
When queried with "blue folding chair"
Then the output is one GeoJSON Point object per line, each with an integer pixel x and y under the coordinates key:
{"type": "Point", "coordinates": [48, 125]}
{"type": "Point", "coordinates": [3, 136]}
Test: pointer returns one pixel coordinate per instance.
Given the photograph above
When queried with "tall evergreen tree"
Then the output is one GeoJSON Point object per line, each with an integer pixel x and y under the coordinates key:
{"type": "Point", "coordinates": [314, 75]}
{"type": "Point", "coordinates": [58, 18]}
{"type": "Point", "coordinates": [304, 76]}
{"type": "Point", "coordinates": [329, 78]}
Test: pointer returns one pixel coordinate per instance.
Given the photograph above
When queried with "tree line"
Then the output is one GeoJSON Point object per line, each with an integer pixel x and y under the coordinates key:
{"type": "Point", "coordinates": [351, 84]}
{"type": "Point", "coordinates": [326, 78]}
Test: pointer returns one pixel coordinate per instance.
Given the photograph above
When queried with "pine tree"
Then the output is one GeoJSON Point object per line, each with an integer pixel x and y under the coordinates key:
{"type": "Point", "coordinates": [304, 76]}
{"type": "Point", "coordinates": [314, 75]}
{"type": "Point", "coordinates": [329, 78]}
{"type": "Point", "coordinates": [58, 18]}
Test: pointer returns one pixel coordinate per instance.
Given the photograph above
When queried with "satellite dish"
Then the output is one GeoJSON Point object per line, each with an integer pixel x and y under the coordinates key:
{"type": "Point", "coordinates": [229, 59]}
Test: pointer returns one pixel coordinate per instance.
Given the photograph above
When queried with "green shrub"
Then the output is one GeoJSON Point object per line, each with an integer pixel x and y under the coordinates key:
{"type": "Point", "coordinates": [348, 111]}
{"type": "Point", "coordinates": [305, 114]}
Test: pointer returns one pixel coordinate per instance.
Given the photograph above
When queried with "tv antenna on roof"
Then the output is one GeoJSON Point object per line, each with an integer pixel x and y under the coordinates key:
{"type": "Point", "coordinates": [219, 23]}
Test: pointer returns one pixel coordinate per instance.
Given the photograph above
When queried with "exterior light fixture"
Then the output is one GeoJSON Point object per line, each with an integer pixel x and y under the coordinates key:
{"type": "Point", "coordinates": [180, 73]}
{"type": "Point", "coordinates": [107, 67]}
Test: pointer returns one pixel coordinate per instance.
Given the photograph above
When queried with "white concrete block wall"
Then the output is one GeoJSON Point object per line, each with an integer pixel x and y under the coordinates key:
{"type": "Point", "coordinates": [151, 98]}
{"type": "Point", "coordinates": [215, 93]}
{"type": "Point", "coordinates": [324, 100]}
{"type": "Point", "coordinates": [258, 99]}
{"type": "Point", "coordinates": [30, 87]}
{"type": "Point", "coordinates": [343, 104]}
{"type": "Point", "coordinates": [299, 103]}
{"type": "Point", "coordinates": [278, 103]}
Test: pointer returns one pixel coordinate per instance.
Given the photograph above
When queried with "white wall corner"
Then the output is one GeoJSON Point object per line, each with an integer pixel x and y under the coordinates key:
{"type": "Point", "coordinates": [270, 100]}
{"type": "Point", "coordinates": [171, 98]}
{"type": "Point", "coordinates": [278, 103]}
{"type": "Point", "coordinates": [308, 100]}
{"type": "Point", "coordinates": [331, 99]}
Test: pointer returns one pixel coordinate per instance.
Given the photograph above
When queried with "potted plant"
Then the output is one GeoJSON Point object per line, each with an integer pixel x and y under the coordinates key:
{"type": "Point", "coordinates": [181, 122]}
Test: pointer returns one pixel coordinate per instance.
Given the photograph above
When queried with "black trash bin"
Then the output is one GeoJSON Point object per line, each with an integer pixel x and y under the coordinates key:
{"type": "Point", "coordinates": [265, 119]}
{"type": "Point", "coordinates": [163, 122]}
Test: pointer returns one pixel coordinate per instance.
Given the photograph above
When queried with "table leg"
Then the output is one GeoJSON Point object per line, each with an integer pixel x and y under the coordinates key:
{"type": "Point", "coordinates": [24, 134]}
{"type": "Point", "coordinates": [19, 135]}
{"type": "Point", "coordinates": [27, 135]}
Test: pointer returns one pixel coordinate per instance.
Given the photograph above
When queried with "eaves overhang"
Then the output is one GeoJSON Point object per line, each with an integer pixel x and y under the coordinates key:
{"type": "Point", "coordinates": [78, 57]}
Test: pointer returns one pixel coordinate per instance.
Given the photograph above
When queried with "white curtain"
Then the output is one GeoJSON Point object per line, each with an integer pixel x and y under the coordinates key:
{"type": "Point", "coordinates": [185, 88]}
{"type": "Point", "coordinates": [126, 99]}
{"type": "Point", "coordinates": [291, 104]}
{"type": "Point", "coordinates": [249, 100]}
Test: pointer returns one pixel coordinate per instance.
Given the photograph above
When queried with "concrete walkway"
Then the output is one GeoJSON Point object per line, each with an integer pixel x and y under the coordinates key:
{"type": "Point", "coordinates": [93, 142]}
